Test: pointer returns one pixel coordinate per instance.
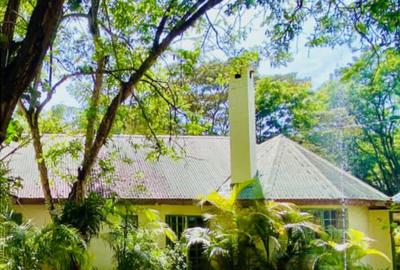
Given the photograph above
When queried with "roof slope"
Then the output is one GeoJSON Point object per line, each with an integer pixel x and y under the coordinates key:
{"type": "Point", "coordinates": [287, 171]}
{"type": "Point", "coordinates": [396, 198]}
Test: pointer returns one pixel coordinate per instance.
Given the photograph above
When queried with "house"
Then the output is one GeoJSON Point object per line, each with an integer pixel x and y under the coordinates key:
{"type": "Point", "coordinates": [284, 169]}
{"type": "Point", "coordinates": [395, 225]}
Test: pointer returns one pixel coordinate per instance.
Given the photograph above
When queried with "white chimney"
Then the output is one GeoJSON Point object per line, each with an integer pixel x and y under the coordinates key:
{"type": "Point", "coordinates": [242, 126]}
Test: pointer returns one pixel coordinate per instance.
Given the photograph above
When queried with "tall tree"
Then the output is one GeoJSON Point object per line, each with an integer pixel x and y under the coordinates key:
{"type": "Point", "coordinates": [358, 127]}
{"type": "Point", "coordinates": [208, 97]}
{"type": "Point", "coordinates": [284, 105]}
{"type": "Point", "coordinates": [336, 22]}
{"type": "Point", "coordinates": [22, 52]}
{"type": "Point", "coordinates": [121, 62]}
{"type": "Point", "coordinates": [373, 24]}
{"type": "Point", "coordinates": [374, 96]}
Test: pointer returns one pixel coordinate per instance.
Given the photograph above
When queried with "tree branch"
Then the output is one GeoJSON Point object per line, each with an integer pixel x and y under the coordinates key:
{"type": "Point", "coordinates": [105, 126]}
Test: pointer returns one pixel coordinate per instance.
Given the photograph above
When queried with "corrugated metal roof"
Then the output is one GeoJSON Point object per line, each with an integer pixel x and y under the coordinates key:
{"type": "Point", "coordinates": [287, 171]}
{"type": "Point", "coordinates": [396, 198]}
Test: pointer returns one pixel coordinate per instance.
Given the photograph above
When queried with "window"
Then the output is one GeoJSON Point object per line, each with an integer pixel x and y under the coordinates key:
{"type": "Point", "coordinates": [180, 223]}
{"type": "Point", "coordinates": [329, 219]}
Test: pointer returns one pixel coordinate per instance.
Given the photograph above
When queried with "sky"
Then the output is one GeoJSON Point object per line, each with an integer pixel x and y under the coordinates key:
{"type": "Point", "coordinates": [316, 64]}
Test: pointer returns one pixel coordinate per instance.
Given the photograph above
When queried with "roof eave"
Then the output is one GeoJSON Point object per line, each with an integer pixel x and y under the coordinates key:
{"type": "Point", "coordinates": [354, 202]}
{"type": "Point", "coordinates": [187, 201]}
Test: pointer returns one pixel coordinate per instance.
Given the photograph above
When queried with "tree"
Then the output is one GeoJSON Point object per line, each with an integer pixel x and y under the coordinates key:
{"type": "Point", "coordinates": [208, 97]}
{"type": "Point", "coordinates": [284, 105]}
{"type": "Point", "coordinates": [335, 128]}
{"type": "Point", "coordinates": [358, 128]}
{"type": "Point", "coordinates": [153, 34]}
{"type": "Point", "coordinates": [371, 24]}
{"type": "Point", "coordinates": [127, 75]}
{"type": "Point", "coordinates": [335, 22]}
{"type": "Point", "coordinates": [111, 71]}
{"type": "Point", "coordinates": [22, 52]}
{"type": "Point", "coordinates": [373, 94]}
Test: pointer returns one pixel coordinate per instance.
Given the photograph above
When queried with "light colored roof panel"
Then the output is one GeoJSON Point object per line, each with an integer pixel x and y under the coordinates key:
{"type": "Point", "coordinates": [298, 173]}
{"type": "Point", "coordinates": [396, 198]}
{"type": "Point", "coordinates": [287, 171]}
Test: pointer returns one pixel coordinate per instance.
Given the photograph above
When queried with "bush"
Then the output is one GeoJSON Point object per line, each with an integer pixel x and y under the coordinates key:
{"type": "Point", "coordinates": [138, 248]}
{"type": "Point", "coordinates": [87, 217]}
{"type": "Point", "coordinates": [56, 246]}
{"type": "Point", "coordinates": [271, 235]}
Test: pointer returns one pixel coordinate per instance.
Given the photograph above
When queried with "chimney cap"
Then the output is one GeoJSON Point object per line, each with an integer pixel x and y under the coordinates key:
{"type": "Point", "coordinates": [249, 69]}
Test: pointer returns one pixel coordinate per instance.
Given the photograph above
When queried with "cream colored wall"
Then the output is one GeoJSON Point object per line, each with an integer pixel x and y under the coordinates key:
{"type": "Point", "coordinates": [374, 223]}
{"type": "Point", "coordinates": [102, 255]}
{"type": "Point", "coordinates": [36, 213]}
{"type": "Point", "coordinates": [99, 250]}
{"type": "Point", "coordinates": [379, 230]}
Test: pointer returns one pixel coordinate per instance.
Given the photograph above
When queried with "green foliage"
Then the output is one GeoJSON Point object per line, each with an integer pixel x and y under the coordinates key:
{"type": "Point", "coordinates": [331, 255]}
{"type": "Point", "coordinates": [260, 235]}
{"type": "Point", "coordinates": [284, 105]}
{"type": "Point", "coordinates": [271, 235]}
{"type": "Point", "coordinates": [208, 97]}
{"type": "Point", "coordinates": [60, 150]}
{"type": "Point", "coordinates": [60, 119]}
{"type": "Point", "coordinates": [62, 247]}
{"type": "Point", "coordinates": [14, 131]}
{"type": "Point", "coordinates": [176, 258]}
{"type": "Point", "coordinates": [137, 247]}
{"type": "Point", "coordinates": [86, 217]}
{"type": "Point", "coordinates": [373, 95]}
{"type": "Point", "coordinates": [55, 246]}
{"type": "Point", "coordinates": [374, 23]}
{"type": "Point", "coordinates": [359, 128]}
{"type": "Point", "coordinates": [18, 245]}
{"type": "Point", "coordinates": [8, 185]}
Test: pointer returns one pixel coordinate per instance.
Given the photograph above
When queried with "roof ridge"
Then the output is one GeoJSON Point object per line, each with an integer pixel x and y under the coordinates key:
{"type": "Point", "coordinates": [305, 159]}
{"type": "Point", "coordinates": [326, 162]}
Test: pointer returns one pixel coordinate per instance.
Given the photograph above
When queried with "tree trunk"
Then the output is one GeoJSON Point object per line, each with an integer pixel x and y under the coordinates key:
{"type": "Point", "coordinates": [32, 118]}
{"type": "Point", "coordinates": [18, 71]}
{"type": "Point", "coordinates": [126, 89]}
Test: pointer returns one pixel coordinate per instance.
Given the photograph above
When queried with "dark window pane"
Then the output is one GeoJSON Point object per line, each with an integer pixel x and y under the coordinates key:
{"type": "Point", "coordinates": [179, 224]}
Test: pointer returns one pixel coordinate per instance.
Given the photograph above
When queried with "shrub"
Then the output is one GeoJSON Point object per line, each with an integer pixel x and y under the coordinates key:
{"type": "Point", "coordinates": [138, 248]}
{"type": "Point", "coordinates": [87, 217]}
{"type": "Point", "coordinates": [56, 246]}
{"type": "Point", "coordinates": [270, 235]}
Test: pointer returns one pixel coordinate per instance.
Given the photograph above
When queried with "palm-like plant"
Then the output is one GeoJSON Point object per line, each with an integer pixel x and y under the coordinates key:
{"type": "Point", "coordinates": [271, 235]}
{"type": "Point", "coordinates": [252, 237]}
{"type": "Point", "coordinates": [331, 255]}
{"type": "Point", "coordinates": [135, 247]}
{"type": "Point", "coordinates": [61, 247]}
{"type": "Point", "coordinates": [18, 244]}
{"type": "Point", "coordinates": [56, 246]}
{"type": "Point", "coordinates": [298, 240]}
{"type": "Point", "coordinates": [88, 216]}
